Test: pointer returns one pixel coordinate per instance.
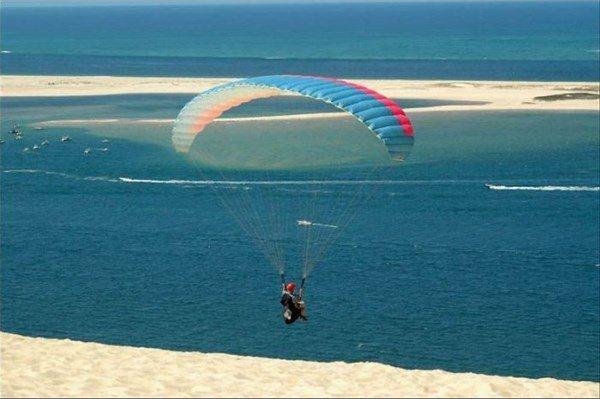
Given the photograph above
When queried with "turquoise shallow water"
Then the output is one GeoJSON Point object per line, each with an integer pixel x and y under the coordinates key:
{"type": "Point", "coordinates": [436, 270]}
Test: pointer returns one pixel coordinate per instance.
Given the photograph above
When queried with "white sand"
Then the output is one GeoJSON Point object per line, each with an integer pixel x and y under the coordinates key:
{"type": "Point", "coordinates": [492, 95]}
{"type": "Point", "coordinates": [40, 367]}
{"type": "Point", "coordinates": [497, 95]}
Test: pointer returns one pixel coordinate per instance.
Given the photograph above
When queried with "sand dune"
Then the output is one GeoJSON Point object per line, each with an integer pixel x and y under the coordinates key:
{"type": "Point", "coordinates": [496, 94]}
{"type": "Point", "coordinates": [40, 367]}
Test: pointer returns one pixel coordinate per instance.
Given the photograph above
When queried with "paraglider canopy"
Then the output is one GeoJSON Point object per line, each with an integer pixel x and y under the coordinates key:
{"type": "Point", "coordinates": [383, 117]}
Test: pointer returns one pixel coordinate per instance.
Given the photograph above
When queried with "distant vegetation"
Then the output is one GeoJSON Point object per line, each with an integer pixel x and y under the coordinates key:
{"type": "Point", "coordinates": [568, 96]}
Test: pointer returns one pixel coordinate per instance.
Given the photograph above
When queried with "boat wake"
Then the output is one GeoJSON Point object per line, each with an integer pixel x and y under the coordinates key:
{"type": "Point", "coordinates": [60, 174]}
{"type": "Point", "coordinates": [288, 182]}
{"type": "Point", "coordinates": [229, 183]}
{"type": "Point", "coordinates": [542, 188]}
{"type": "Point", "coordinates": [258, 182]}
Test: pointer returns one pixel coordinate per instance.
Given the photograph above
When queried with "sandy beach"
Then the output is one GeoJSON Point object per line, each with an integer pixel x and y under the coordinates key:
{"type": "Point", "coordinates": [492, 95]}
{"type": "Point", "coordinates": [40, 367]}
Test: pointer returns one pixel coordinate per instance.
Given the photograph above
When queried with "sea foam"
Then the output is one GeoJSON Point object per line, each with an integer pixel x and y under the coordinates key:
{"type": "Point", "coordinates": [542, 188]}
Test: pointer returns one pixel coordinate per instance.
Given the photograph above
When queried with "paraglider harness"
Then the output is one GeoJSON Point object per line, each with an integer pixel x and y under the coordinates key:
{"type": "Point", "coordinates": [294, 307]}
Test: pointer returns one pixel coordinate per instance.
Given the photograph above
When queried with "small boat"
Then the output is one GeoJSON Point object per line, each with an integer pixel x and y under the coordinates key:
{"type": "Point", "coordinates": [45, 142]}
{"type": "Point", "coordinates": [2, 142]}
{"type": "Point", "coordinates": [105, 141]}
{"type": "Point", "coordinates": [104, 149]}
{"type": "Point", "coordinates": [15, 130]}
{"type": "Point", "coordinates": [18, 137]}
{"type": "Point", "coordinates": [36, 147]}
{"type": "Point", "coordinates": [87, 151]}
{"type": "Point", "coordinates": [26, 149]}
{"type": "Point", "coordinates": [65, 138]}
{"type": "Point", "coordinates": [38, 128]}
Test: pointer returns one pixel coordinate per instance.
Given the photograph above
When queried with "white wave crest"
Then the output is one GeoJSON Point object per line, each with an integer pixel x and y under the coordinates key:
{"type": "Point", "coordinates": [61, 174]}
{"type": "Point", "coordinates": [542, 188]}
{"type": "Point", "coordinates": [45, 172]}
{"type": "Point", "coordinates": [267, 182]}
{"type": "Point", "coordinates": [22, 171]}
{"type": "Point", "coordinates": [242, 183]}
{"type": "Point", "coordinates": [174, 181]}
{"type": "Point", "coordinates": [222, 182]}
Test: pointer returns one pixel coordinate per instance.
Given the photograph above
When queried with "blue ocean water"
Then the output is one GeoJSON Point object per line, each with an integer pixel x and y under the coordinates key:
{"type": "Point", "coordinates": [435, 271]}
{"type": "Point", "coordinates": [489, 40]}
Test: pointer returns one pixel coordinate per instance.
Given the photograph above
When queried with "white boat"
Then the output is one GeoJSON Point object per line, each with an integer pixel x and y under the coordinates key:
{"type": "Point", "coordinates": [104, 149]}
{"type": "Point", "coordinates": [87, 151]}
{"type": "Point", "coordinates": [65, 138]}
{"type": "Point", "coordinates": [45, 142]}
{"type": "Point", "coordinates": [2, 142]}
{"type": "Point", "coordinates": [38, 128]}
{"type": "Point", "coordinates": [105, 141]}
{"type": "Point", "coordinates": [26, 149]}
{"type": "Point", "coordinates": [18, 137]}
{"type": "Point", "coordinates": [308, 223]}
{"type": "Point", "coordinates": [36, 147]}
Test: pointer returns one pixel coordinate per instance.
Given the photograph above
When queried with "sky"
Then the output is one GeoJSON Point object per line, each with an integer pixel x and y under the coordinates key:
{"type": "Point", "coordinates": [167, 2]}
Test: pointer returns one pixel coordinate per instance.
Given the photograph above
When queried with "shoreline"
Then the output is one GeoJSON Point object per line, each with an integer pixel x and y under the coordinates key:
{"type": "Point", "coordinates": [48, 367]}
{"type": "Point", "coordinates": [275, 118]}
{"type": "Point", "coordinates": [497, 95]}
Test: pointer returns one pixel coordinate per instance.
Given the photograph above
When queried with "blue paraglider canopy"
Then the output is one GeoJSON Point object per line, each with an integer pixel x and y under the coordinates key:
{"type": "Point", "coordinates": [378, 113]}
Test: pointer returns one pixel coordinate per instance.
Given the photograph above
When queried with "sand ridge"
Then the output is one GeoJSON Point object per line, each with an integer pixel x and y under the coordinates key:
{"type": "Point", "coordinates": [497, 95]}
{"type": "Point", "coordinates": [42, 367]}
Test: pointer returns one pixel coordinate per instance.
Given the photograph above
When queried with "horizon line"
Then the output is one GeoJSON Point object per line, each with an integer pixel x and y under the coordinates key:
{"type": "Point", "coordinates": [149, 3]}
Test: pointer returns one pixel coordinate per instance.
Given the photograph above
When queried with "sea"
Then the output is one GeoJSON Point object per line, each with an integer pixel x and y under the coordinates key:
{"type": "Point", "coordinates": [480, 253]}
{"type": "Point", "coordinates": [457, 40]}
